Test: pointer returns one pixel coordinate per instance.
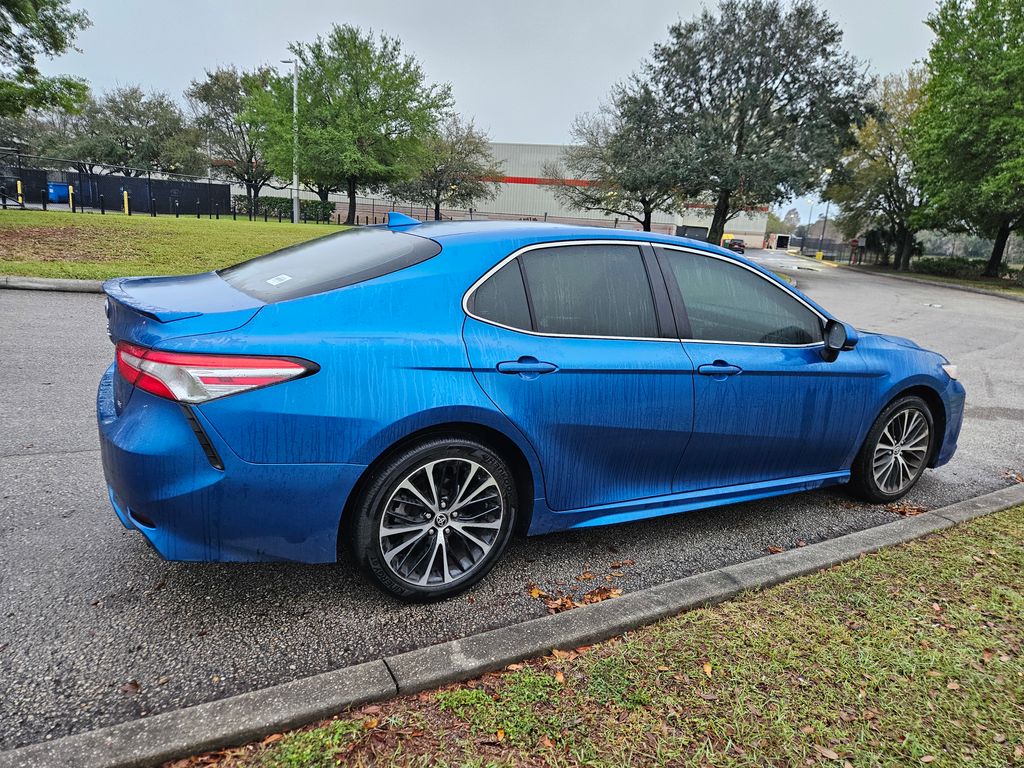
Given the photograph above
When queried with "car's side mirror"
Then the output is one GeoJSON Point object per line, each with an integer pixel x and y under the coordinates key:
{"type": "Point", "coordinates": [839, 336]}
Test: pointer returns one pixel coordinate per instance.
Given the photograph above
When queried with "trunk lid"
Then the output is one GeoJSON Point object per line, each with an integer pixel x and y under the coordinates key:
{"type": "Point", "coordinates": [148, 310]}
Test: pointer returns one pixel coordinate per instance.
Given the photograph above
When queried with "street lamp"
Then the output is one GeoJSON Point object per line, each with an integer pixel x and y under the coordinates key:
{"type": "Point", "coordinates": [810, 220]}
{"type": "Point", "coordinates": [295, 137]}
{"type": "Point", "coordinates": [821, 237]}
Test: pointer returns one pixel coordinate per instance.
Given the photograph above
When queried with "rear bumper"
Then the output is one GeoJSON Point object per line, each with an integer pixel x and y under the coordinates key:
{"type": "Point", "coordinates": [162, 484]}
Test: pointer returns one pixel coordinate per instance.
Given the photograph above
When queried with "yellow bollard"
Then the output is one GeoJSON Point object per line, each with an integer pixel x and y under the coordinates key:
{"type": "Point", "coordinates": [71, 197]}
{"type": "Point", "coordinates": [21, 200]}
{"type": "Point", "coordinates": [819, 256]}
{"type": "Point", "coordinates": [125, 196]}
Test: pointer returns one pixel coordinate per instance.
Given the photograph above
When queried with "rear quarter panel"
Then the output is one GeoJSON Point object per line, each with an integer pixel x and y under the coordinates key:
{"type": "Point", "coordinates": [392, 362]}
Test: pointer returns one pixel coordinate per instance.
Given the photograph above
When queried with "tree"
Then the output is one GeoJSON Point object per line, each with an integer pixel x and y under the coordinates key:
{"type": "Point", "coordinates": [969, 150]}
{"type": "Point", "coordinates": [874, 184]}
{"type": "Point", "coordinates": [763, 98]}
{"type": "Point", "coordinates": [458, 169]}
{"type": "Point", "coordinates": [365, 109]}
{"type": "Point", "coordinates": [777, 225]}
{"type": "Point", "coordinates": [619, 161]}
{"type": "Point", "coordinates": [236, 144]}
{"type": "Point", "coordinates": [792, 219]}
{"type": "Point", "coordinates": [127, 129]}
{"type": "Point", "coordinates": [30, 29]}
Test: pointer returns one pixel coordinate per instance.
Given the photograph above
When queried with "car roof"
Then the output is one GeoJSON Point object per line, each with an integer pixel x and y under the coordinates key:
{"type": "Point", "coordinates": [516, 234]}
{"type": "Point", "coordinates": [538, 231]}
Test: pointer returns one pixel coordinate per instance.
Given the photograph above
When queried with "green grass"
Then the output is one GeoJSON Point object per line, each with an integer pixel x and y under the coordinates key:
{"type": "Point", "coordinates": [912, 656]}
{"type": "Point", "coordinates": [84, 245]}
{"type": "Point", "coordinates": [999, 284]}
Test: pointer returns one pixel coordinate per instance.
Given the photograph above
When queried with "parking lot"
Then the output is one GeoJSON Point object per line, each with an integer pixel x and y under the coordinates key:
{"type": "Point", "coordinates": [96, 629]}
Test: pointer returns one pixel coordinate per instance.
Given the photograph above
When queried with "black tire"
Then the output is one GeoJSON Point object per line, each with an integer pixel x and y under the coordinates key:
{"type": "Point", "coordinates": [863, 482]}
{"type": "Point", "coordinates": [384, 485]}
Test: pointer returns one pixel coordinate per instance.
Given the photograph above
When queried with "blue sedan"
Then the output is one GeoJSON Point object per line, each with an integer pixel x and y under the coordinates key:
{"type": "Point", "coordinates": [417, 392]}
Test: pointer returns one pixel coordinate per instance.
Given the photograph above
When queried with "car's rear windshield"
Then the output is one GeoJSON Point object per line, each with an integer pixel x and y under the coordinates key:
{"type": "Point", "coordinates": [329, 262]}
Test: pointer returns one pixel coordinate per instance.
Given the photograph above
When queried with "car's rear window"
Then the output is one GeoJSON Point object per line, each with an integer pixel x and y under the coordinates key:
{"type": "Point", "coordinates": [329, 262]}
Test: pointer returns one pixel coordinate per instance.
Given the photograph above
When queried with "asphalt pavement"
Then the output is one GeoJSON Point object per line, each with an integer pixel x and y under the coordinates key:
{"type": "Point", "coordinates": [95, 629]}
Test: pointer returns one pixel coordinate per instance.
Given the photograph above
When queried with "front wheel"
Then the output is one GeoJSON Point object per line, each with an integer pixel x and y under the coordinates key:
{"type": "Point", "coordinates": [895, 451]}
{"type": "Point", "coordinates": [434, 519]}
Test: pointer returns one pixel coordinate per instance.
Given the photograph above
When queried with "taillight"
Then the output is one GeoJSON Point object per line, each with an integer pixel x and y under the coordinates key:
{"type": "Point", "coordinates": [196, 378]}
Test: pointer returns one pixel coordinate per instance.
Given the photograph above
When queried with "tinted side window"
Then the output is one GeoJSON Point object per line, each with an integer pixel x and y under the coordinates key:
{"type": "Point", "coordinates": [590, 290]}
{"type": "Point", "coordinates": [726, 302]}
{"type": "Point", "coordinates": [327, 263]}
{"type": "Point", "coordinates": [502, 298]}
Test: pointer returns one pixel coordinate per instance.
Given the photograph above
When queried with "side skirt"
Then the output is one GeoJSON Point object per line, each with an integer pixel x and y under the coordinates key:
{"type": "Point", "coordinates": [546, 520]}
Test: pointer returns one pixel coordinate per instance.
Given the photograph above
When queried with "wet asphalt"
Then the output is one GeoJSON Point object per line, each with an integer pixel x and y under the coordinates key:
{"type": "Point", "coordinates": [95, 629]}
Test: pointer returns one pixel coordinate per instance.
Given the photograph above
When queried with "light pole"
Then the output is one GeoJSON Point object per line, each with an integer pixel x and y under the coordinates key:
{"type": "Point", "coordinates": [821, 237]}
{"type": "Point", "coordinates": [295, 137]}
{"type": "Point", "coordinates": [810, 220]}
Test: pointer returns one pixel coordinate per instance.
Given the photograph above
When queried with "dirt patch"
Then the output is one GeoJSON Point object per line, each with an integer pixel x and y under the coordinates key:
{"type": "Point", "coordinates": [51, 244]}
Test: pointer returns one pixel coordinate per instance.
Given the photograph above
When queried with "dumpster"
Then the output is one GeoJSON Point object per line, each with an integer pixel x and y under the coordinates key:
{"type": "Point", "coordinates": [57, 193]}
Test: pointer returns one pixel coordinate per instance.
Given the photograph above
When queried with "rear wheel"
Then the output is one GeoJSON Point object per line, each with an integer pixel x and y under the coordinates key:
{"type": "Point", "coordinates": [434, 519]}
{"type": "Point", "coordinates": [895, 452]}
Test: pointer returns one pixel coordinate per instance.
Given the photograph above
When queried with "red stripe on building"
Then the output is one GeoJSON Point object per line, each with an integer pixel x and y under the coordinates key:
{"type": "Point", "coordinates": [536, 180]}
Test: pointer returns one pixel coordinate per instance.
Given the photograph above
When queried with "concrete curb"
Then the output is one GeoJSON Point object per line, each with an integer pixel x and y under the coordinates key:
{"type": "Point", "coordinates": [249, 716]}
{"type": "Point", "coordinates": [51, 284]}
{"type": "Point", "coordinates": [938, 284]}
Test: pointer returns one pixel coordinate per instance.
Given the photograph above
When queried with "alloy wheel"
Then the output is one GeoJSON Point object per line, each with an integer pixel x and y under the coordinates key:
{"type": "Point", "coordinates": [901, 451]}
{"type": "Point", "coordinates": [441, 521]}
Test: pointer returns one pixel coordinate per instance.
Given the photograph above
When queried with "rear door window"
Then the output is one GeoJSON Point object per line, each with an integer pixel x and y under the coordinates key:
{"type": "Point", "coordinates": [590, 290]}
{"type": "Point", "coordinates": [329, 262]}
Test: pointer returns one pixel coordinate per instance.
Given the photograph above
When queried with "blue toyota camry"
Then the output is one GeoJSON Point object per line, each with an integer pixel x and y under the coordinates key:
{"type": "Point", "coordinates": [416, 392]}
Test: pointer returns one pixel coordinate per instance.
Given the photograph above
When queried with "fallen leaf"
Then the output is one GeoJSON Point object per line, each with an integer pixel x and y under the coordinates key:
{"type": "Point", "coordinates": [707, 668]}
{"type": "Point", "coordinates": [272, 738]}
{"type": "Point", "coordinates": [370, 723]}
{"type": "Point", "coordinates": [801, 543]}
{"type": "Point", "coordinates": [664, 669]}
{"type": "Point", "coordinates": [953, 685]}
{"type": "Point", "coordinates": [928, 759]}
{"type": "Point", "coordinates": [585, 576]}
{"type": "Point", "coordinates": [903, 509]}
{"type": "Point", "coordinates": [163, 680]}
{"type": "Point", "coordinates": [559, 677]}
{"type": "Point", "coordinates": [131, 687]}
{"type": "Point", "coordinates": [371, 710]}
{"type": "Point", "coordinates": [773, 550]}
{"type": "Point", "coordinates": [599, 594]}
{"type": "Point", "coordinates": [825, 752]}
{"type": "Point", "coordinates": [807, 729]}
{"type": "Point", "coordinates": [500, 735]}
{"type": "Point", "coordinates": [514, 667]}
{"type": "Point", "coordinates": [546, 742]}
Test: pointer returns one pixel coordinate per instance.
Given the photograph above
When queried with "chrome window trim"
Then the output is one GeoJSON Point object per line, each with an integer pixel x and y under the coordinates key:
{"type": "Point", "coordinates": [638, 243]}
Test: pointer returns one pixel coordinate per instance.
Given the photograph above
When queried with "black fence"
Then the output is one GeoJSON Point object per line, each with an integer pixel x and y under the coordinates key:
{"type": "Point", "coordinates": [45, 181]}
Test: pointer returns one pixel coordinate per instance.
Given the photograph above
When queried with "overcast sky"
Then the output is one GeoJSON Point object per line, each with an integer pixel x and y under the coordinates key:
{"type": "Point", "coordinates": [522, 69]}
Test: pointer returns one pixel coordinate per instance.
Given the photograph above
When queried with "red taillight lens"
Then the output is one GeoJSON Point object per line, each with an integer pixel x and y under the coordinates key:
{"type": "Point", "coordinates": [191, 378]}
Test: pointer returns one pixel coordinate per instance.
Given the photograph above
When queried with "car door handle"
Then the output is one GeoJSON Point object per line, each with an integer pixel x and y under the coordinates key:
{"type": "Point", "coordinates": [719, 368]}
{"type": "Point", "coordinates": [527, 367]}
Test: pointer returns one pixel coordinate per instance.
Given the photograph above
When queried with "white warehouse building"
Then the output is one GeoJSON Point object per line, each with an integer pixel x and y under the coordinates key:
{"type": "Point", "coordinates": [527, 192]}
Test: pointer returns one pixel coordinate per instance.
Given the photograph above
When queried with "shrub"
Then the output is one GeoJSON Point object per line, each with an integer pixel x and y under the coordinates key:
{"type": "Point", "coordinates": [313, 210]}
{"type": "Point", "coordinates": [955, 267]}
